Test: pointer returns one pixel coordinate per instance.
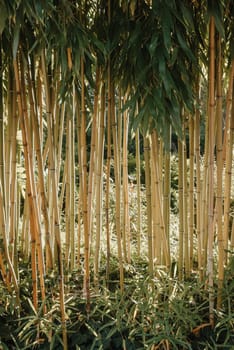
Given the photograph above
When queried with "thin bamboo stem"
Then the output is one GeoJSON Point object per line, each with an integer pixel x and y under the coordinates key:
{"type": "Point", "coordinates": [186, 230]}
{"type": "Point", "coordinates": [181, 208]}
{"type": "Point", "coordinates": [126, 219]}
{"type": "Point", "coordinates": [138, 184]}
{"type": "Point", "coordinates": [99, 182]}
{"type": "Point", "coordinates": [67, 170]}
{"type": "Point", "coordinates": [148, 203]}
{"type": "Point", "coordinates": [211, 116]}
{"type": "Point", "coordinates": [42, 190]}
{"type": "Point", "coordinates": [167, 189]}
{"type": "Point", "coordinates": [93, 152]}
{"type": "Point", "coordinates": [29, 189]}
{"type": "Point", "coordinates": [117, 183]}
{"type": "Point", "coordinates": [73, 180]}
{"type": "Point", "coordinates": [228, 173]}
{"type": "Point", "coordinates": [27, 134]}
{"type": "Point", "coordinates": [219, 196]}
{"type": "Point", "coordinates": [55, 201]}
{"type": "Point", "coordinates": [191, 190]}
{"type": "Point", "coordinates": [198, 187]}
{"type": "Point", "coordinates": [85, 209]}
{"type": "Point", "coordinates": [108, 165]}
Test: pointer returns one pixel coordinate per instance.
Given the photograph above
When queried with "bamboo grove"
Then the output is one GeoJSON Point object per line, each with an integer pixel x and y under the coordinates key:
{"type": "Point", "coordinates": [79, 82]}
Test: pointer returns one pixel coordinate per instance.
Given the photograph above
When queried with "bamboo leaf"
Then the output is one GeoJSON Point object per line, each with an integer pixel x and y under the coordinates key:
{"type": "Point", "coordinates": [15, 42]}
{"type": "Point", "coordinates": [187, 15]}
{"type": "Point", "coordinates": [153, 45]}
{"type": "Point", "coordinates": [3, 16]}
{"type": "Point", "coordinates": [214, 9]}
{"type": "Point", "coordinates": [183, 45]}
{"type": "Point", "coordinates": [166, 28]}
{"type": "Point", "coordinates": [162, 66]}
{"type": "Point", "coordinates": [219, 25]}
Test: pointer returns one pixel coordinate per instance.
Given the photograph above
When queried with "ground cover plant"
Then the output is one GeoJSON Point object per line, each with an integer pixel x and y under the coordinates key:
{"type": "Point", "coordinates": [116, 174]}
{"type": "Point", "coordinates": [159, 313]}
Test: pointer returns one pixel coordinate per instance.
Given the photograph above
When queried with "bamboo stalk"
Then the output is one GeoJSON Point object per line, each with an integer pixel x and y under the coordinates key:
{"type": "Point", "coordinates": [93, 151]}
{"type": "Point", "coordinates": [191, 190]}
{"type": "Point", "coordinates": [204, 206]}
{"type": "Point", "coordinates": [55, 202]}
{"type": "Point", "coordinates": [198, 186]}
{"type": "Point", "coordinates": [108, 165]}
{"type": "Point", "coordinates": [8, 162]}
{"type": "Point", "coordinates": [117, 182]}
{"type": "Point", "coordinates": [211, 116]}
{"type": "Point", "coordinates": [2, 138]}
{"type": "Point", "coordinates": [73, 180]}
{"type": "Point", "coordinates": [38, 145]}
{"type": "Point", "coordinates": [27, 135]}
{"type": "Point", "coordinates": [85, 209]}
{"type": "Point", "coordinates": [219, 196]}
{"type": "Point", "coordinates": [108, 161]}
{"type": "Point", "coordinates": [156, 163]}
{"type": "Point", "coordinates": [13, 195]}
{"type": "Point", "coordinates": [59, 137]}
{"type": "Point", "coordinates": [148, 203]}
{"type": "Point", "coordinates": [67, 170]}
{"type": "Point", "coordinates": [9, 168]}
{"type": "Point", "coordinates": [167, 188]}
{"type": "Point", "coordinates": [126, 218]}
{"type": "Point", "coordinates": [138, 184]}
{"type": "Point", "coordinates": [232, 237]}
{"type": "Point", "coordinates": [181, 208]}
{"type": "Point", "coordinates": [99, 182]}
{"type": "Point", "coordinates": [25, 227]}
{"type": "Point", "coordinates": [228, 173]}
{"type": "Point", "coordinates": [186, 231]}
{"type": "Point", "coordinates": [32, 216]}
{"type": "Point", "coordinates": [79, 213]}
{"type": "Point", "coordinates": [3, 271]}
{"type": "Point", "coordinates": [6, 250]}
{"type": "Point", "coordinates": [155, 202]}
{"type": "Point", "coordinates": [228, 109]}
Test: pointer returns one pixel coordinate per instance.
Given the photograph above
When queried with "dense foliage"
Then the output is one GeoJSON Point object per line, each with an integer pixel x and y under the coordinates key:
{"type": "Point", "coordinates": [162, 313]}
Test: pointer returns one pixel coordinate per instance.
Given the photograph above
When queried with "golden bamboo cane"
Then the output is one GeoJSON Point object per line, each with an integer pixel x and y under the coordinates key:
{"type": "Point", "coordinates": [219, 196]}
{"type": "Point", "coordinates": [85, 209]}
{"type": "Point", "coordinates": [181, 208]}
{"type": "Point", "coordinates": [191, 189]}
{"type": "Point", "coordinates": [126, 218]}
{"type": "Point", "coordinates": [55, 201]}
{"type": "Point", "coordinates": [99, 182]}
{"type": "Point", "coordinates": [148, 203]}
{"type": "Point", "coordinates": [138, 184]}
{"type": "Point", "coordinates": [211, 119]}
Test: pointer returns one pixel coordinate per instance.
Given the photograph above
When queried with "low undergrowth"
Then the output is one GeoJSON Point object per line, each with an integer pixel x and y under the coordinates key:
{"type": "Point", "coordinates": [160, 313]}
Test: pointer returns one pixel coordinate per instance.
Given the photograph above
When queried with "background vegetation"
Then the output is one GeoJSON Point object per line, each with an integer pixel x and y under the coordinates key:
{"type": "Point", "coordinates": [116, 188]}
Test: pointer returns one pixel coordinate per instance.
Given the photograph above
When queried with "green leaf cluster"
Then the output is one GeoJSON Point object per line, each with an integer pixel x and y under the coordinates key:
{"type": "Point", "coordinates": [153, 48]}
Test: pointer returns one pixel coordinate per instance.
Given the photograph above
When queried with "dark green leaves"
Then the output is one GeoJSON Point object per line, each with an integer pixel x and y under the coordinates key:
{"type": "Point", "coordinates": [3, 16]}
{"type": "Point", "coordinates": [16, 39]}
{"type": "Point", "coordinates": [215, 9]}
{"type": "Point", "coordinates": [153, 49]}
{"type": "Point", "coordinates": [155, 62]}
